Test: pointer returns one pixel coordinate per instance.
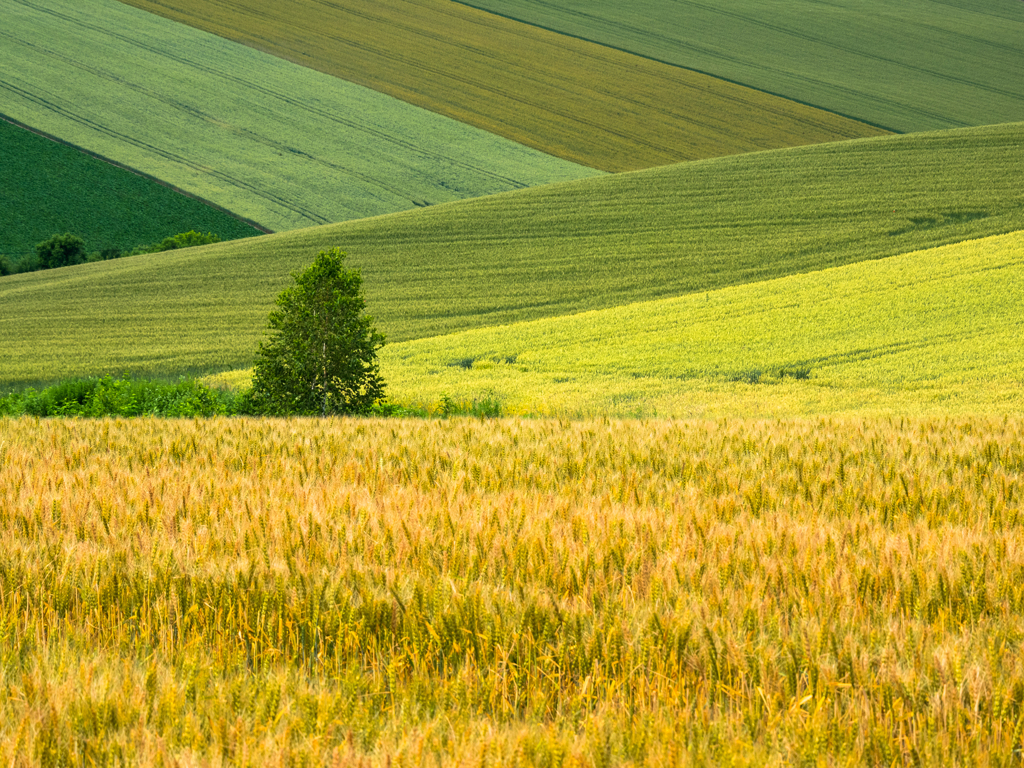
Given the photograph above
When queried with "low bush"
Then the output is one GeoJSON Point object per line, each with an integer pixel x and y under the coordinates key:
{"type": "Point", "coordinates": [486, 408]}
{"type": "Point", "coordinates": [184, 240]}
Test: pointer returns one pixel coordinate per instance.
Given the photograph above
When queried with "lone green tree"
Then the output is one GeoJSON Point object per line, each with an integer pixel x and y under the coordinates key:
{"type": "Point", "coordinates": [321, 354]}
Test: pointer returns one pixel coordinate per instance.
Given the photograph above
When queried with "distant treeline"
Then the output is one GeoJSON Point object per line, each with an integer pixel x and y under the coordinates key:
{"type": "Point", "coordinates": [69, 249]}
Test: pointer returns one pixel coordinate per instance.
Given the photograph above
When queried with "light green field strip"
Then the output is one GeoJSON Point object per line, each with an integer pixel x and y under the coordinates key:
{"type": "Point", "coordinates": [930, 331]}
{"type": "Point", "coordinates": [540, 252]}
{"type": "Point", "coordinates": [909, 66]}
{"type": "Point", "coordinates": [272, 141]}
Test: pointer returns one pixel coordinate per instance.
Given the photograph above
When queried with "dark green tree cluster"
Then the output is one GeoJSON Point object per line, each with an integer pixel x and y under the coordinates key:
{"type": "Point", "coordinates": [321, 355]}
{"type": "Point", "coordinates": [61, 251]}
{"type": "Point", "coordinates": [69, 249]}
{"type": "Point", "coordinates": [184, 240]}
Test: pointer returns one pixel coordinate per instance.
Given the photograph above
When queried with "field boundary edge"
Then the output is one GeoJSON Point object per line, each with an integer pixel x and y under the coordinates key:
{"type": "Point", "coordinates": [254, 224]}
{"type": "Point", "coordinates": [553, 30]}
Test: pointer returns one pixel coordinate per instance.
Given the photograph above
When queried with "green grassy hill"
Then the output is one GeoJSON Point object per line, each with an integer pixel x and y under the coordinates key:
{"type": "Point", "coordinates": [909, 66]}
{"type": "Point", "coordinates": [50, 188]}
{"type": "Point", "coordinates": [275, 142]}
{"type": "Point", "coordinates": [932, 331]}
{"type": "Point", "coordinates": [584, 102]}
{"type": "Point", "coordinates": [542, 252]}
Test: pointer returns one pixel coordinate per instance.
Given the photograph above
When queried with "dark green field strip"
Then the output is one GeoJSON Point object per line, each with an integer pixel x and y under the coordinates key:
{"type": "Point", "coordinates": [584, 102]}
{"type": "Point", "coordinates": [275, 142]}
{"type": "Point", "coordinates": [909, 66]}
{"type": "Point", "coordinates": [541, 252]}
{"type": "Point", "coordinates": [50, 188]}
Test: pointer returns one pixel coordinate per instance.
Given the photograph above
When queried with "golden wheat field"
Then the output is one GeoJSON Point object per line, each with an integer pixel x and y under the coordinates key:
{"type": "Point", "coordinates": [512, 592]}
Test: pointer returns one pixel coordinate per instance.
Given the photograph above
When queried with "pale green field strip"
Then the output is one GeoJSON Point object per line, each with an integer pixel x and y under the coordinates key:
{"type": "Point", "coordinates": [578, 100]}
{"type": "Point", "coordinates": [542, 252]}
{"type": "Point", "coordinates": [272, 141]}
{"type": "Point", "coordinates": [932, 331]}
{"type": "Point", "coordinates": [910, 66]}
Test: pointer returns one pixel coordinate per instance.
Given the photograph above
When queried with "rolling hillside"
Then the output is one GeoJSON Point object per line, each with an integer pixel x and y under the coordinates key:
{"type": "Point", "coordinates": [555, 250]}
{"type": "Point", "coordinates": [909, 66]}
{"type": "Point", "coordinates": [932, 331]}
{"type": "Point", "coordinates": [52, 188]}
{"type": "Point", "coordinates": [277, 143]}
{"type": "Point", "coordinates": [584, 102]}
{"type": "Point", "coordinates": [817, 560]}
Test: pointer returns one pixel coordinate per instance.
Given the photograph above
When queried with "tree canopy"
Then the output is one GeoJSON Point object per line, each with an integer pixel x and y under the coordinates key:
{"type": "Point", "coordinates": [61, 251]}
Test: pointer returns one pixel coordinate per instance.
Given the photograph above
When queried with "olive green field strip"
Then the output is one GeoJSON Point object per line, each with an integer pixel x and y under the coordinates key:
{"type": "Point", "coordinates": [280, 144]}
{"type": "Point", "coordinates": [516, 592]}
{"type": "Point", "coordinates": [908, 66]}
{"type": "Point", "coordinates": [50, 188]}
{"type": "Point", "coordinates": [584, 102]}
{"type": "Point", "coordinates": [934, 331]}
{"type": "Point", "coordinates": [540, 252]}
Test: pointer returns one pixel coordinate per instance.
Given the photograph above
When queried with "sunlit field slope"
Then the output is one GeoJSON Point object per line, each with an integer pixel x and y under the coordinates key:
{"type": "Point", "coordinates": [518, 592]}
{"type": "Point", "coordinates": [933, 331]}
{"type": "Point", "coordinates": [50, 188]}
{"type": "Point", "coordinates": [541, 252]}
{"type": "Point", "coordinates": [909, 66]}
{"type": "Point", "coordinates": [272, 141]}
{"type": "Point", "coordinates": [587, 103]}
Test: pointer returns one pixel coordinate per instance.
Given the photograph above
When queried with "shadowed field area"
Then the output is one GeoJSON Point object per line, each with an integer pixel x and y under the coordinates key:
{"type": "Point", "coordinates": [50, 188]}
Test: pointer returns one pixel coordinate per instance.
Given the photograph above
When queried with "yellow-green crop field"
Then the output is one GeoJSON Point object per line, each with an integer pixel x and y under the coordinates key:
{"type": "Point", "coordinates": [843, 591]}
{"type": "Point", "coordinates": [275, 142]}
{"type": "Point", "coordinates": [584, 102]}
{"type": "Point", "coordinates": [935, 331]}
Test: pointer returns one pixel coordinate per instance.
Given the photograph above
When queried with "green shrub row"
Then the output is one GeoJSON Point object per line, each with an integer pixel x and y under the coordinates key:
{"type": "Point", "coordinates": [69, 249]}
{"type": "Point", "coordinates": [186, 398]}
{"type": "Point", "coordinates": [108, 396]}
